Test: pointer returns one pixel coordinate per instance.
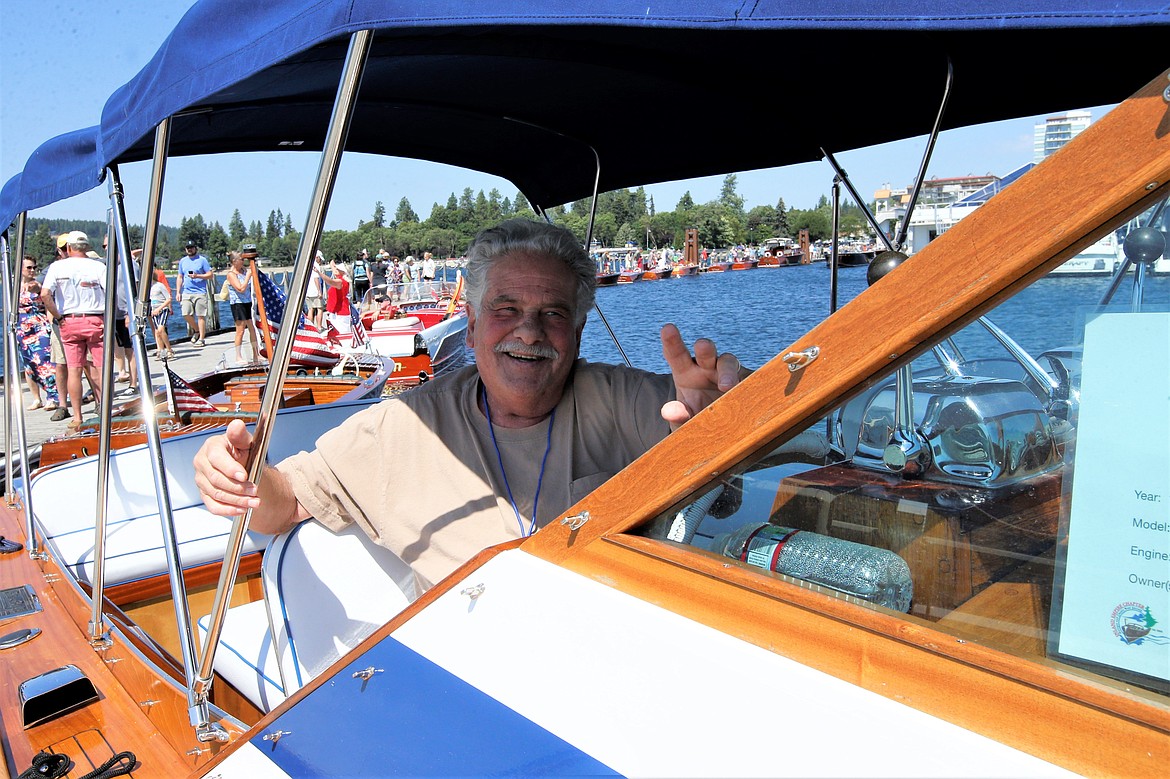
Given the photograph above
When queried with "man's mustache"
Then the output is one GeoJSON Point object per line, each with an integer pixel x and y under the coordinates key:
{"type": "Point", "coordinates": [526, 350]}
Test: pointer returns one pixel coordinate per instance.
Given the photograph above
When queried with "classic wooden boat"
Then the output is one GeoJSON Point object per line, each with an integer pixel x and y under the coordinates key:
{"type": "Point", "coordinates": [424, 337]}
{"type": "Point", "coordinates": [236, 394]}
{"type": "Point", "coordinates": [655, 274]}
{"type": "Point", "coordinates": [970, 633]}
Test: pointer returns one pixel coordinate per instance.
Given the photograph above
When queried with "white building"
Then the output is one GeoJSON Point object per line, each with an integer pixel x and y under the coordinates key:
{"type": "Point", "coordinates": [1056, 131]}
{"type": "Point", "coordinates": [943, 202]}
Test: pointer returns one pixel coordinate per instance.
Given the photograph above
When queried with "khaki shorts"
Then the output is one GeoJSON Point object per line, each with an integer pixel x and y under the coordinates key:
{"type": "Point", "coordinates": [195, 303]}
{"type": "Point", "coordinates": [56, 350]}
{"type": "Point", "coordinates": [312, 303]}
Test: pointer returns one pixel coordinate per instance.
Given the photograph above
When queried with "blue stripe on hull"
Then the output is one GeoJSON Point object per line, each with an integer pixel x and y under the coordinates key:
{"type": "Point", "coordinates": [414, 719]}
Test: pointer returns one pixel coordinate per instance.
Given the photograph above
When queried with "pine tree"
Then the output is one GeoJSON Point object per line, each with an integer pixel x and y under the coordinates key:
{"type": "Point", "coordinates": [236, 228]}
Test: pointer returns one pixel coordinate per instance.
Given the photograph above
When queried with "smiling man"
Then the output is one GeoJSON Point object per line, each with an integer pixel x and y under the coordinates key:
{"type": "Point", "coordinates": [505, 445]}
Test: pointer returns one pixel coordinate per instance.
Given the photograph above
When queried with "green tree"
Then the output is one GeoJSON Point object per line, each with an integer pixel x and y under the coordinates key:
{"type": "Point", "coordinates": [444, 242]}
{"type": "Point", "coordinates": [404, 213]}
{"type": "Point", "coordinates": [193, 229]}
{"type": "Point", "coordinates": [728, 197]}
{"type": "Point", "coordinates": [782, 226]}
{"type": "Point", "coordinates": [218, 245]}
{"type": "Point", "coordinates": [761, 224]}
{"type": "Point", "coordinates": [236, 229]}
{"type": "Point", "coordinates": [42, 245]}
{"type": "Point", "coordinates": [379, 219]}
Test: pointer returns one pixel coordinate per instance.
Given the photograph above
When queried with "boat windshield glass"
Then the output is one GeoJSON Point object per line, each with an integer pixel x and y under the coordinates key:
{"type": "Point", "coordinates": [1010, 487]}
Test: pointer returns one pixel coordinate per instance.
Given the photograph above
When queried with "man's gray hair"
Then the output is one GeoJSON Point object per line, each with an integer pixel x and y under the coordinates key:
{"type": "Point", "coordinates": [82, 245]}
{"type": "Point", "coordinates": [527, 235]}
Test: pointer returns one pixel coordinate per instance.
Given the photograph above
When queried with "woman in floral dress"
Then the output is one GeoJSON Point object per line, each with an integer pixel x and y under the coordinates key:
{"type": "Point", "coordinates": [40, 370]}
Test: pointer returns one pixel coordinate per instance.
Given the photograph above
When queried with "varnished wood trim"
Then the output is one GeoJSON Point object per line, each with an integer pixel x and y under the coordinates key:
{"type": "Point", "coordinates": [198, 576]}
{"type": "Point", "coordinates": [158, 734]}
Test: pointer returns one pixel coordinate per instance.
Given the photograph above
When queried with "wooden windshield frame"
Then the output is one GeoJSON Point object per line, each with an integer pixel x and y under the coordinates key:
{"type": "Point", "coordinates": [1112, 172]}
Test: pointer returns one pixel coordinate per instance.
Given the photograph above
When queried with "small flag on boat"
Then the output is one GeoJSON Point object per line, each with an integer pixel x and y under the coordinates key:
{"type": "Point", "coordinates": [359, 330]}
{"type": "Point", "coordinates": [186, 398]}
{"type": "Point", "coordinates": [311, 346]}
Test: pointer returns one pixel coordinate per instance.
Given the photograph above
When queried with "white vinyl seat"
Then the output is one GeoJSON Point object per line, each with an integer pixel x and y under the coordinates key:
{"type": "Point", "coordinates": [323, 593]}
{"type": "Point", "coordinates": [134, 541]}
{"type": "Point", "coordinates": [66, 513]}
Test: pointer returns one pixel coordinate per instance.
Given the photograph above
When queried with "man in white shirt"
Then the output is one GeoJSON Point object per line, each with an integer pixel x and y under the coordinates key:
{"type": "Point", "coordinates": [74, 293]}
{"type": "Point", "coordinates": [428, 271]}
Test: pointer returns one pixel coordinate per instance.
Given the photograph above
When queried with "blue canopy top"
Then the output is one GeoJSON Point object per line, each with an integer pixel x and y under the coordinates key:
{"type": "Point", "coordinates": [60, 168]}
{"type": "Point", "coordinates": [532, 91]}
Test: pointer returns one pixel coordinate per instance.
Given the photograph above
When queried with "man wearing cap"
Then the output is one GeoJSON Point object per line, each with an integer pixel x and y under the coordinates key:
{"type": "Point", "coordinates": [194, 271]}
{"type": "Point", "coordinates": [74, 293]}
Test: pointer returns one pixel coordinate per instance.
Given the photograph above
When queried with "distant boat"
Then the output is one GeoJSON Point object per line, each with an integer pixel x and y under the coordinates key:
{"type": "Point", "coordinates": [629, 276]}
{"type": "Point", "coordinates": [1103, 258]}
{"type": "Point", "coordinates": [854, 259]}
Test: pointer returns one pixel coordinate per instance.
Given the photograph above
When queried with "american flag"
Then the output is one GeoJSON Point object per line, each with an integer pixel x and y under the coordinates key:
{"type": "Point", "coordinates": [186, 398]}
{"type": "Point", "coordinates": [359, 330]}
{"type": "Point", "coordinates": [311, 347]}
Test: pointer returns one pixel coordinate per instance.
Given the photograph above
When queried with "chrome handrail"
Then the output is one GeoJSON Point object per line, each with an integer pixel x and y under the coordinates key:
{"type": "Point", "coordinates": [340, 120]}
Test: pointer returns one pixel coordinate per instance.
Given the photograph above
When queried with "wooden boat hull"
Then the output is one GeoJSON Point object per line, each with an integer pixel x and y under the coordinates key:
{"type": "Point", "coordinates": [238, 393]}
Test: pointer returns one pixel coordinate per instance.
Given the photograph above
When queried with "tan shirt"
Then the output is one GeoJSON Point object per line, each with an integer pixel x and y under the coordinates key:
{"type": "Point", "coordinates": [420, 473]}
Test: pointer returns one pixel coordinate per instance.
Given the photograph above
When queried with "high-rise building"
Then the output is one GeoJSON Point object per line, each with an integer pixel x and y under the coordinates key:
{"type": "Point", "coordinates": [1056, 131]}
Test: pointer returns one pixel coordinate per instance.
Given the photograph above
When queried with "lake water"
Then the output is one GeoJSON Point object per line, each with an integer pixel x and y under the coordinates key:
{"type": "Point", "coordinates": [757, 313]}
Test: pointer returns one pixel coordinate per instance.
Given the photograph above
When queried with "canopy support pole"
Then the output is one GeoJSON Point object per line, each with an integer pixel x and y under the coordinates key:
{"type": "Point", "coordinates": [588, 242]}
{"type": "Point", "coordinates": [12, 376]}
{"type": "Point", "coordinates": [98, 638]}
{"type": "Point", "coordinates": [343, 107]}
{"type": "Point", "coordinates": [843, 177]}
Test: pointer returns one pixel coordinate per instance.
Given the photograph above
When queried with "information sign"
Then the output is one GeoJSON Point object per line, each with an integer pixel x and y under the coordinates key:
{"type": "Point", "coordinates": [1112, 604]}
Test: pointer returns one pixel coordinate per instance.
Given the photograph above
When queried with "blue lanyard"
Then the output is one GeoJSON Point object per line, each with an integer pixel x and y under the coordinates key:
{"type": "Point", "coordinates": [539, 479]}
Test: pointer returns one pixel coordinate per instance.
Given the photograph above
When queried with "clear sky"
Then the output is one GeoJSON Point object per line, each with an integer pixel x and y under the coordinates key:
{"type": "Point", "coordinates": [61, 59]}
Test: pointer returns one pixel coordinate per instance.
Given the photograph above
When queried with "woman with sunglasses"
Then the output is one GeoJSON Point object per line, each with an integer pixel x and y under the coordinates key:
{"type": "Point", "coordinates": [34, 342]}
